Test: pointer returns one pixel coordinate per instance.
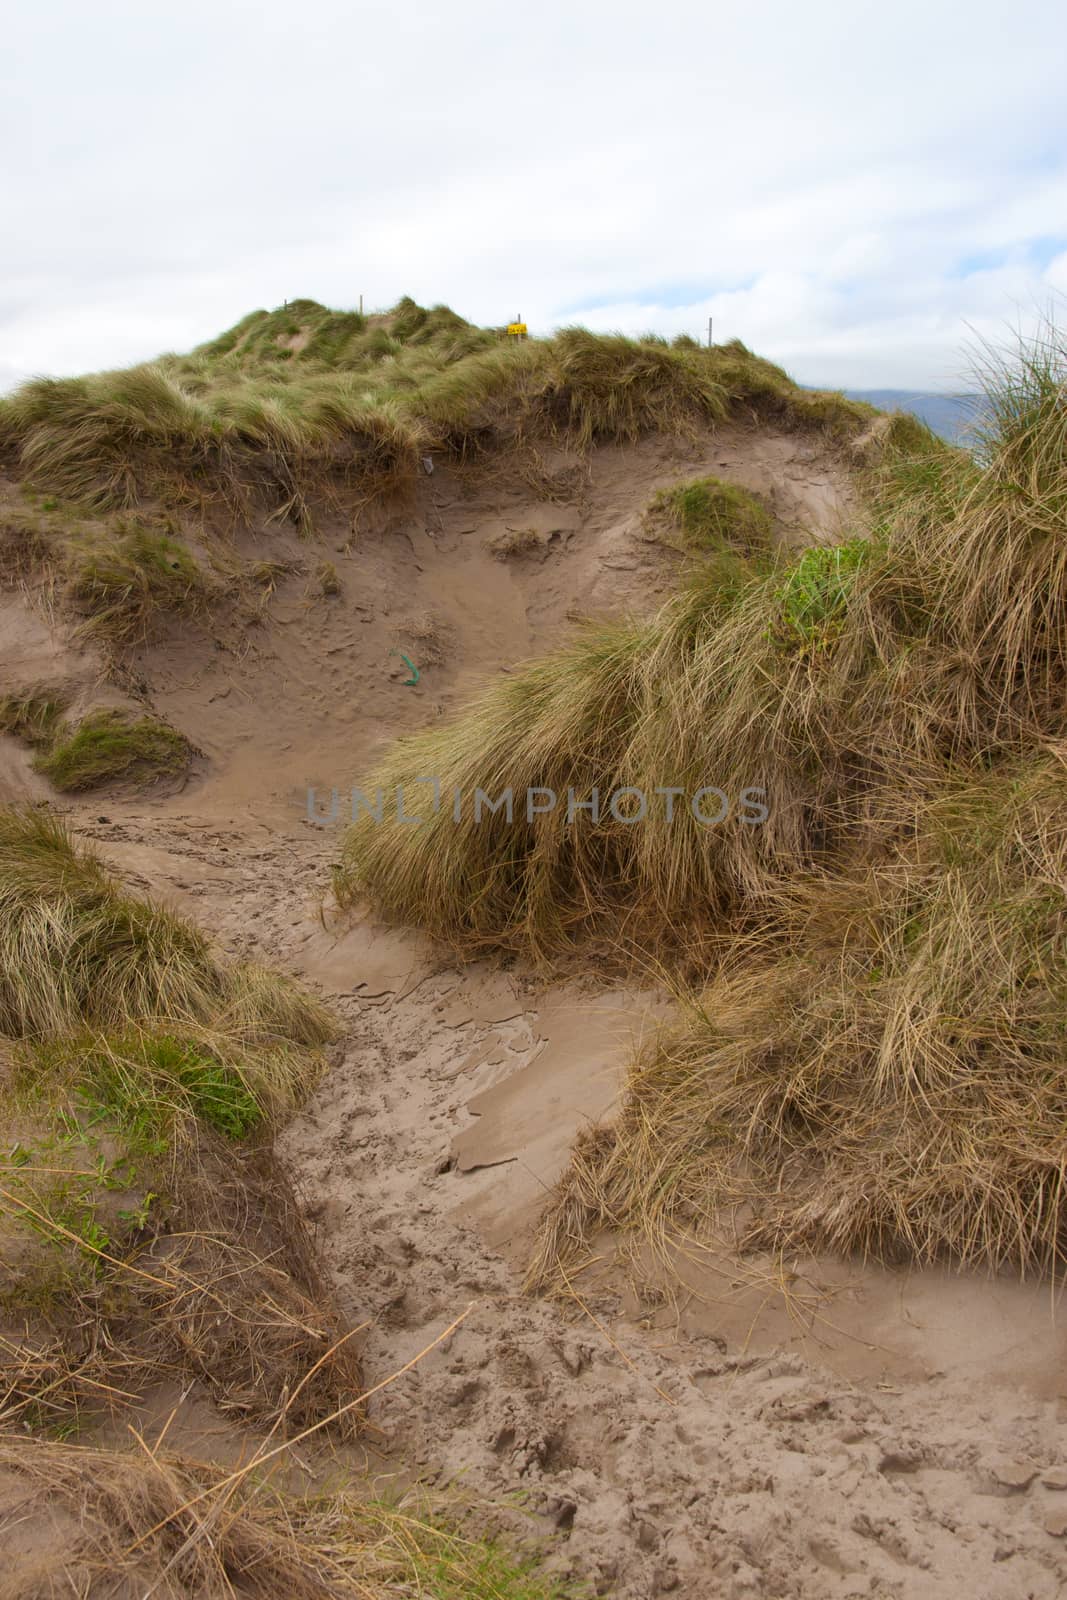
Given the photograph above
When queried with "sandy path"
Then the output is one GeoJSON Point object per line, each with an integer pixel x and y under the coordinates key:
{"type": "Point", "coordinates": [704, 1457]}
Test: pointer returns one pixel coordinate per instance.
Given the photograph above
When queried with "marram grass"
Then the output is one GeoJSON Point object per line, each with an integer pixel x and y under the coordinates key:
{"type": "Point", "coordinates": [78, 951]}
{"type": "Point", "coordinates": [838, 683]}
{"type": "Point", "coordinates": [711, 516]}
{"type": "Point", "coordinates": [878, 1064]}
{"type": "Point", "coordinates": [179, 1530]}
{"type": "Point", "coordinates": [107, 746]}
{"type": "Point", "coordinates": [887, 1080]}
{"type": "Point", "coordinates": [293, 401]}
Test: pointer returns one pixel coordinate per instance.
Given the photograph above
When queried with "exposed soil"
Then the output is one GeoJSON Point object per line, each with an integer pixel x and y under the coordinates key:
{"type": "Point", "coordinates": [801, 1429]}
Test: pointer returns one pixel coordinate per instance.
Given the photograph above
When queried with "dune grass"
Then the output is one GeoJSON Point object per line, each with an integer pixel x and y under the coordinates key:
{"type": "Point", "coordinates": [30, 717]}
{"type": "Point", "coordinates": [885, 1078]}
{"type": "Point", "coordinates": [893, 1079]}
{"type": "Point", "coordinates": [124, 584]}
{"type": "Point", "coordinates": [835, 683]}
{"type": "Point", "coordinates": [290, 401]}
{"type": "Point", "coordinates": [148, 1237]}
{"type": "Point", "coordinates": [144, 1229]}
{"type": "Point", "coordinates": [711, 515]}
{"type": "Point", "coordinates": [77, 951]}
{"type": "Point", "coordinates": [120, 575]}
{"type": "Point", "coordinates": [111, 745]}
{"type": "Point", "coordinates": [177, 1530]}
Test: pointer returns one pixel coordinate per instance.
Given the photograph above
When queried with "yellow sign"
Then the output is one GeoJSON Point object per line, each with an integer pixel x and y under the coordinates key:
{"type": "Point", "coordinates": [517, 329]}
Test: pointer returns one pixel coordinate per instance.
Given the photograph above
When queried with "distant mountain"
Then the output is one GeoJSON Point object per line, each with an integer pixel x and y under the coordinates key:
{"type": "Point", "coordinates": [950, 415]}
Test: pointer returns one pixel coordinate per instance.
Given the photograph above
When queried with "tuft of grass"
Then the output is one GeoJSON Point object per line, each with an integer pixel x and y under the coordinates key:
{"type": "Point", "coordinates": [813, 598]}
{"type": "Point", "coordinates": [329, 580]}
{"type": "Point", "coordinates": [889, 1079]}
{"type": "Point", "coordinates": [511, 542]}
{"type": "Point", "coordinates": [31, 718]}
{"type": "Point", "coordinates": [123, 584]}
{"type": "Point", "coordinates": [144, 1080]}
{"type": "Point", "coordinates": [110, 745]}
{"type": "Point", "coordinates": [147, 1532]}
{"type": "Point", "coordinates": [76, 950]}
{"type": "Point", "coordinates": [712, 516]}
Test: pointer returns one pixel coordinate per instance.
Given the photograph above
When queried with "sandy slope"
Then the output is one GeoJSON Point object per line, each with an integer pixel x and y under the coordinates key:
{"type": "Point", "coordinates": [860, 1433]}
{"type": "Point", "coordinates": [871, 1434]}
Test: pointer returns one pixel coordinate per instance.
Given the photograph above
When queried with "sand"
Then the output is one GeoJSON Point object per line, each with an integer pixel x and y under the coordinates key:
{"type": "Point", "coordinates": [725, 1428]}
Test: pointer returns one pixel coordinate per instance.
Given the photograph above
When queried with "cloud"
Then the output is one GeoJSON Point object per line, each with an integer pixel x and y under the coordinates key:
{"type": "Point", "coordinates": [850, 191]}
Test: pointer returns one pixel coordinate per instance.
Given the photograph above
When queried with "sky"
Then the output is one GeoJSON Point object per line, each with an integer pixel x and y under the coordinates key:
{"type": "Point", "coordinates": [862, 192]}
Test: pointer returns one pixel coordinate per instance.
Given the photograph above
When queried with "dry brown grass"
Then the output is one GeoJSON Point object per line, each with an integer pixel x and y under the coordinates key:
{"type": "Point", "coordinates": [886, 1077]}
{"type": "Point", "coordinates": [126, 1525]}
{"type": "Point", "coordinates": [892, 1082]}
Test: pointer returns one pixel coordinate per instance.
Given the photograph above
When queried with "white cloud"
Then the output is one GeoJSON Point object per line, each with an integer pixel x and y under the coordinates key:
{"type": "Point", "coordinates": [848, 188]}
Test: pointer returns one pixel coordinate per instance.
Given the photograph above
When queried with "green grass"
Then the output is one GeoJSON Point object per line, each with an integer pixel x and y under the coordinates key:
{"type": "Point", "coordinates": [76, 950]}
{"type": "Point", "coordinates": [105, 1119]}
{"type": "Point", "coordinates": [712, 516]}
{"type": "Point", "coordinates": [108, 746]}
{"type": "Point", "coordinates": [813, 598]}
{"type": "Point", "coordinates": [77, 1186]}
{"type": "Point", "coordinates": [143, 1081]}
{"type": "Point", "coordinates": [124, 583]}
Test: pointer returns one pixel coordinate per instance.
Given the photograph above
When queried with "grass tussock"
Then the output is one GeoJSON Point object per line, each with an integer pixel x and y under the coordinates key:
{"type": "Point", "coordinates": [30, 717]}
{"type": "Point", "coordinates": [897, 1084]}
{"type": "Point", "coordinates": [712, 516]}
{"type": "Point", "coordinates": [146, 1230]}
{"type": "Point", "coordinates": [76, 950]}
{"type": "Point", "coordinates": [107, 746]}
{"type": "Point", "coordinates": [887, 1079]}
{"type": "Point", "coordinates": [158, 1525]}
{"type": "Point", "coordinates": [291, 402]}
{"type": "Point", "coordinates": [121, 577]}
{"type": "Point", "coordinates": [122, 586]}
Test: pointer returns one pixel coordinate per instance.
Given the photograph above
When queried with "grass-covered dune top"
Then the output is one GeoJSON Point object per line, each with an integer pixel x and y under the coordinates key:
{"type": "Point", "coordinates": [892, 1016]}
{"type": "Point", "coordinates": [291, 399]}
